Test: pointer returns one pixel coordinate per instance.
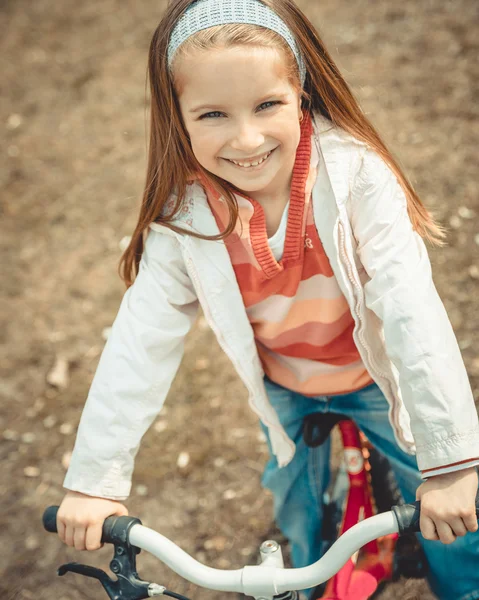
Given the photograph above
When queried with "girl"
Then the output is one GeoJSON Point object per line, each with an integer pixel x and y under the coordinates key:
{"type": "Point", "coordinates": [271, 201]}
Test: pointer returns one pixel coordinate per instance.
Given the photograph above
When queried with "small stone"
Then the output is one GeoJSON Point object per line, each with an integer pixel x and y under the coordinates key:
{"type": "Point", "coordinates": [474, 271]}
{"type": "Point", "coordinates": [261, 437]}
{"type": "Point", "coordinates": [216, 543]}
{"type": "Point", "coordinates": [476, 239]}
{"type": "Point", "coordinates": [31, 471]}
{"type": "Point", "coordinates": [183, 460]}
{"type": "Point", "coordinates": [141, 490]}
{"type": "Point", "coordinates": [465, 213]}
{"type": "Point", "coordinates": [475, 366]}
{"type": "Point", "coordinates": [464, 344]}
{"type": "Point", "coordinates": [219, 462]}
{"type": "Point", "coordinates": [224, 563]}
{"type": "Point", "coordinates": [246, 551]}
{"type": "Point", "coordinates": [58, 376]}
{"type": "Point", "coordinates": [39, 404]}
{"type": "Point", "coordinates": [10, 435]}
{"type": "Point", "coordinates": [215, 402]}
{"type": "Point", "coordinates": [66, 458]}
{"type": "Point", "coordinates": [14, 121]}
{"type": "Point", "coordinates": [106, 333]}
{"type": "Point", "coordinates": [66, 428]}
{"type": "Point", "coordinates": [124, 243]}
{"type": "Point", "coordinates": [28, 438]}
{"type": "Point", "coordinates": [31, 542]}
{"type": "Point", "coordinates": [160, 426]}
{"type": "Point", "coordinates": [49, 422]}
{"type": "Point", "coordinates": [92, 352]}
{"type": "Point", "coordinates": [229, 494]}
{"type": "Point", "coordinates": [238, 433]}
{"type": "Point", "coordinates": [201, 364]}
{"type": "Point", "coordinates": [455, 222]}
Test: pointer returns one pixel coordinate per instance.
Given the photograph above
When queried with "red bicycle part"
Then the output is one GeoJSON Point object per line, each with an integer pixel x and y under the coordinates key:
{"type": "Point", "coordinates": [359, 578]}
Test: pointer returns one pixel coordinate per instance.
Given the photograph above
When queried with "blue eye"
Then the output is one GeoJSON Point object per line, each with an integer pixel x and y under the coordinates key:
{"type": "Point", "coordinates": [208, 115]}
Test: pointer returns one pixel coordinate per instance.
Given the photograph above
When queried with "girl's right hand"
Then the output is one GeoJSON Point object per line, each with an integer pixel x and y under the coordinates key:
{"type": "Point", "coordinates": [80, 519]}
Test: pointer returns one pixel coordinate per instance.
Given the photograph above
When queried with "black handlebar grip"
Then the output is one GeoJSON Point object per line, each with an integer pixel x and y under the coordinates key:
{"type": "Point", "coordinates": [115, 529]}
{"type": "Point", "coordinates": [50, 519]}
{"type": "Point", "coordinates": [408, 515]}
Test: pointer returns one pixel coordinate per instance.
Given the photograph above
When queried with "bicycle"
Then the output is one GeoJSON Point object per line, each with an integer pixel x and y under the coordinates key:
{"type": "Point", "coordinates": [387, 537]}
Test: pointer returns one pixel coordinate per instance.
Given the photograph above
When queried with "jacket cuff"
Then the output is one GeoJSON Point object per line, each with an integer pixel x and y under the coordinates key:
{"type": "Point", "coordinates": [98, 487]}
{"type": "Point", "coordinates": [448, 451]}
{"type": "Point", "coordinates": [465, 464]}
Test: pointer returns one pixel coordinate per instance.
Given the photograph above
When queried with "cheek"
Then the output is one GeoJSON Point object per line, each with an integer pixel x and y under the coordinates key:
{"type": "Point", "coordinates": [288, 134]}
{"type": "Point", "coordinates": [205, 146]}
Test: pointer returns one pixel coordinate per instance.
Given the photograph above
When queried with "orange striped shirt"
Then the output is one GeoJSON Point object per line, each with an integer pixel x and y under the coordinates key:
{"type": "Point", "coordinates": [301, 321]}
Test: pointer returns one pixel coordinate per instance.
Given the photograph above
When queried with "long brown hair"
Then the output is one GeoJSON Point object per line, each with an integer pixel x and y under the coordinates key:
{"type": "Point", "coordinates": [171, 162]}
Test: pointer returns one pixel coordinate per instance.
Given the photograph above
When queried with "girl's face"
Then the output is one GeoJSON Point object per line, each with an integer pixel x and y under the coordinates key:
{"type": "Point", "coordinates": [237, 104]}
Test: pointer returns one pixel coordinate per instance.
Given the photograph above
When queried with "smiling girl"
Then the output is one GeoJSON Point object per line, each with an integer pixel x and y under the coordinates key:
{"type": "Point", "coordinates": [272, 202]}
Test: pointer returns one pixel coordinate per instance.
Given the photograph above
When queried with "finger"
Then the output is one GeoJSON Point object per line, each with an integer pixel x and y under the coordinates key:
{"type": "Point", "coordinates": [428, 529]}
{"type": "Point", "coordinates": [470, 521]}
{"type": "Point", "coordinates": [458, 526]}
{"type": "Point", "coordinates": [445, 533]}
{"type": "Point", "coordinates": [79, 538]}
{"type": "Point", "coordinates": [61, 530]}
{"type": "Point", "coordinates": [93, 537]}
{"type": "Point", "coordinates": [69, 535]}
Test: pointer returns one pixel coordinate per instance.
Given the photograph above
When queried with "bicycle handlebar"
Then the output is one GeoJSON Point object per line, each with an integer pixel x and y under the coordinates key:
{"type": "Point", "coordinates": [407, 516]}
{"type": "Point", "coordinates": [266, 580]}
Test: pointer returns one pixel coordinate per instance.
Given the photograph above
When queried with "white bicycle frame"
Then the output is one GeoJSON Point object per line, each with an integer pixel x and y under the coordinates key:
{"type": "Point", "coordinates": [270, 578]}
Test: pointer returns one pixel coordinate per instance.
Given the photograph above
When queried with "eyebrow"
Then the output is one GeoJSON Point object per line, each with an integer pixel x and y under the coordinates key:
{"type": "Point", "coordinates": [216, 107]}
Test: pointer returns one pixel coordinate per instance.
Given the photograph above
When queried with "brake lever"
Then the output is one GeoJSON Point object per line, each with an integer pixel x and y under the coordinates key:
{"type": "Point", "coordinates": [128, 586]}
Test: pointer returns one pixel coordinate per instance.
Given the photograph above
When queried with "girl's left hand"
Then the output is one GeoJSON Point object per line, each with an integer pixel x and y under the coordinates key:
{"type": "Point", "coordinates": [448, 505]}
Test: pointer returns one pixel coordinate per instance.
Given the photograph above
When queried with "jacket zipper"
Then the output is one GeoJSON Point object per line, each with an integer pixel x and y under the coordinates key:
{"type": "Point", "coordinates": [357, 286]}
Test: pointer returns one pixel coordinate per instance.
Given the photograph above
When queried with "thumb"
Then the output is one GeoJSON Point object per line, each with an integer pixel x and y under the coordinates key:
{"type": "Point", "coordinates": [120, 511]}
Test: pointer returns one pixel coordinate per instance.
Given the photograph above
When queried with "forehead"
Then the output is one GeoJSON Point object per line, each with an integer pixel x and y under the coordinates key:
{"type": "Point", "coordinates": [238, 72]}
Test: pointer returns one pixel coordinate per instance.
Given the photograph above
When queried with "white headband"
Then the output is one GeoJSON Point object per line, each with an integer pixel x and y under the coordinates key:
{"type": "Point", "coordinates": [203, 14]}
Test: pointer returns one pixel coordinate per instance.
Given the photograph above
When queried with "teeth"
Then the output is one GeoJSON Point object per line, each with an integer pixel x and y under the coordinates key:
{"type": "Point", "coordinates": [252, 164]}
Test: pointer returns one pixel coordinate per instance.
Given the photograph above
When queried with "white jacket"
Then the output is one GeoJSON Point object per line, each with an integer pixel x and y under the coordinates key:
{"type": "Point", "coordinates": [401, 328]}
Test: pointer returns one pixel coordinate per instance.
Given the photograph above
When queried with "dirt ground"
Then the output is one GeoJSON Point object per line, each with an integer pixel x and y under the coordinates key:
{"type": "Point", "coordinates": [73, 118]}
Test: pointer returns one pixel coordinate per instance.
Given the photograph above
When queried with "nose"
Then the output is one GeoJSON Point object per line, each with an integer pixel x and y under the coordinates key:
{"type": "Point", "coordinates": [248, 138]}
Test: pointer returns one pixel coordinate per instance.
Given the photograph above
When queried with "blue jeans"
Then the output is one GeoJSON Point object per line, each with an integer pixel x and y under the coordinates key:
{"type": "Point", "coordinates": [298, 488]}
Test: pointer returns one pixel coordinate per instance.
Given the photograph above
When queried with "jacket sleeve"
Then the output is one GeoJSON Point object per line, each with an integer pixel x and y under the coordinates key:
{"type": "Point", "coordinates": [419, 338]}
{"type": "Point", "coordinates": [135, 371]}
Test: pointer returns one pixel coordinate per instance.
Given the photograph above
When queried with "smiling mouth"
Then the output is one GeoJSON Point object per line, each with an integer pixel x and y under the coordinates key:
{"type": "Point", "coordinates": [247, 165]}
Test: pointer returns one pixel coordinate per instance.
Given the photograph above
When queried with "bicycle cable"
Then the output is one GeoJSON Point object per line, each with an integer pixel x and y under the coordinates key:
{"type": "Point", "coordinates": [175, 595]}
